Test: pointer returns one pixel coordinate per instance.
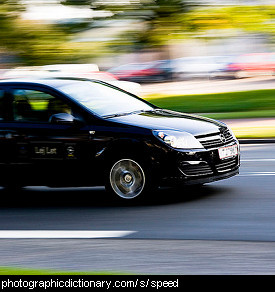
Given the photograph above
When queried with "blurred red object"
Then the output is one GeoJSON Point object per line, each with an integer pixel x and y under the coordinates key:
{"type": "Point", "coordinates": [249, 65]}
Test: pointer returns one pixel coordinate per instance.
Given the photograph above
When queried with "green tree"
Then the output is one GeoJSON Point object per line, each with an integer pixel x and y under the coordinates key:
{"type": "Point", "coordinates": [36, 43]}
{"type": "Point", "coordinates": [245, 18]}
{"type": "Point", "coordinates": [163, 20]}
{"type": "Point", "coordinates": [155, 21]}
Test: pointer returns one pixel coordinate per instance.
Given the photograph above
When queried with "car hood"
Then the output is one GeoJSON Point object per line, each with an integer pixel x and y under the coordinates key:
{"type": "Point", "coordinates": [170, 120]}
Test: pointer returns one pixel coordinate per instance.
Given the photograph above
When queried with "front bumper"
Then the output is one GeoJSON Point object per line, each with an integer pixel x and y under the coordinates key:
{"type": "Point", "coordinates": [199, 180]}
{"type": "Point", "coordinates": [199, 167]}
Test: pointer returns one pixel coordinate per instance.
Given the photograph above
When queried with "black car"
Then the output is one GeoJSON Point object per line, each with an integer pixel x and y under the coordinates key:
{"type": "Point", "coordinates": [67, 132]}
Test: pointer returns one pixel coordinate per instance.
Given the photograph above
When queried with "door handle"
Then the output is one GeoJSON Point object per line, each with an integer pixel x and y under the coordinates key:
{"type": "Point", "coordinates": [10, 134]}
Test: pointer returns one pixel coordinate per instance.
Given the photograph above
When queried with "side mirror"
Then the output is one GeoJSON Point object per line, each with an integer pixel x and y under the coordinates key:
{"type": "Point", "coordinates": [64, 119]}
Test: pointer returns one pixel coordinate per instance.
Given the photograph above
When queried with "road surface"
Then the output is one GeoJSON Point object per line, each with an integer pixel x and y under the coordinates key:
{"type": "Point", "coordinates": [227, 227]}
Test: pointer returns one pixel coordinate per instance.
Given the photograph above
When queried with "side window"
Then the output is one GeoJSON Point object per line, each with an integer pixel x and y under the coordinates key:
{"type": "Point", "coordinates": [37, 106]}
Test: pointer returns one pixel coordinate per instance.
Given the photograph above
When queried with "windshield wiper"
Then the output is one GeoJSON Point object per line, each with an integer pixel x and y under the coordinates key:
{"type": "Point", "coordinates": [116, 115]}
{"type": "Point", "coordinates": [126, 114]}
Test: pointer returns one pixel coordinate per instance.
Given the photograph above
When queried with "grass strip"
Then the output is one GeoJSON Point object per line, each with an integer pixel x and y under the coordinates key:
{"type": "Point", "coordinates": [253, 132]}
{"type": "Point", "coordinates": [25, 271]}
{"type": "Point", "coordinates": [227, 105]}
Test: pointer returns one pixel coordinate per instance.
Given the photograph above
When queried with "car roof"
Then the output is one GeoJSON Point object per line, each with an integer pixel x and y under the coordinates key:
{"type": "Point", "coordinates": [52, 82]}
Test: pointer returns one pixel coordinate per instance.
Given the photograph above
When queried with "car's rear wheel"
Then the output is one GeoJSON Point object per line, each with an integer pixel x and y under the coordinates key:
{"type": "Point", "coordinates": [127, 179]}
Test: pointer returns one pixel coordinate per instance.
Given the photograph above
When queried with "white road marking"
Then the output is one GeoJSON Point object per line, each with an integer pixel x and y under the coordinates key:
{"type": "Point", "coordinates": [62, 234]}
{"type": "Point", "coordinates": [258, 160]}
{"type": "Point", "coordinates": [256, 173]}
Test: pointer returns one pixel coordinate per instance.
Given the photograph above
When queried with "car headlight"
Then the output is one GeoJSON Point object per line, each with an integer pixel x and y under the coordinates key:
{"type": "Point", "coordinates": [177, 139]}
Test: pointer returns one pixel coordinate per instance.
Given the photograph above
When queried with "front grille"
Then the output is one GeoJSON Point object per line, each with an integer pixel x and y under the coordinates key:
{"type": "Point", "coordinates": [227, 164]}
{"type": "Point", "coordinates": [215, 140]}
{"type": "Point", "coordinates": [202, 168]}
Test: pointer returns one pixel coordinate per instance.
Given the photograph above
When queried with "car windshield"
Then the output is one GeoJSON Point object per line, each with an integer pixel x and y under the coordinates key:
{"type": "Point", "coordinates": [103, 99]}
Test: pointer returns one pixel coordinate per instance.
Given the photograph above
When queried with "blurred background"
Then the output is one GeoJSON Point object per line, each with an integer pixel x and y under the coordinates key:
{"type": "Point", "coordinates": [212, 57]}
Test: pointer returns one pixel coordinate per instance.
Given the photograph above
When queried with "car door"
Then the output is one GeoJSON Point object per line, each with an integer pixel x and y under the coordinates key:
{"type": "Point", "coordinates": [46, 153]}
{"type": "Point", "coordinates": [7, 141]}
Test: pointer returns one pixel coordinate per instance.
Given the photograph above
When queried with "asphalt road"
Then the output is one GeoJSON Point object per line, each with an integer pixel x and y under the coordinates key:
{"type": "Point", "coordinates": [227, 227]}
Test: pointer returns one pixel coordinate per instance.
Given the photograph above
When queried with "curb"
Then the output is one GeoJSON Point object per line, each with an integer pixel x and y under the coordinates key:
{"type": "Point", "coordinates": [256, 141]}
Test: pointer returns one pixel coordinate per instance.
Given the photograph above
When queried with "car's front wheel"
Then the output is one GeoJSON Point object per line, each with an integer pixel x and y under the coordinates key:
{"type": "Point", "coordinates": [127, 179]}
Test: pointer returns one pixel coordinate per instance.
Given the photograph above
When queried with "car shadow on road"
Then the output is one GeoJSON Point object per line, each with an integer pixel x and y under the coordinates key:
{"type": "Point", "coordinates": [98, 197]}
{"type": "Point", "coordinates": [184, 194]}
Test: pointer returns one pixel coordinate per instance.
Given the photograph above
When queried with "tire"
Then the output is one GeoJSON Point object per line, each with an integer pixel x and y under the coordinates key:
{"type": "Point", "coordinates": [128, 179]}
{"type": "Point", "coordinates": [180, 76]}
